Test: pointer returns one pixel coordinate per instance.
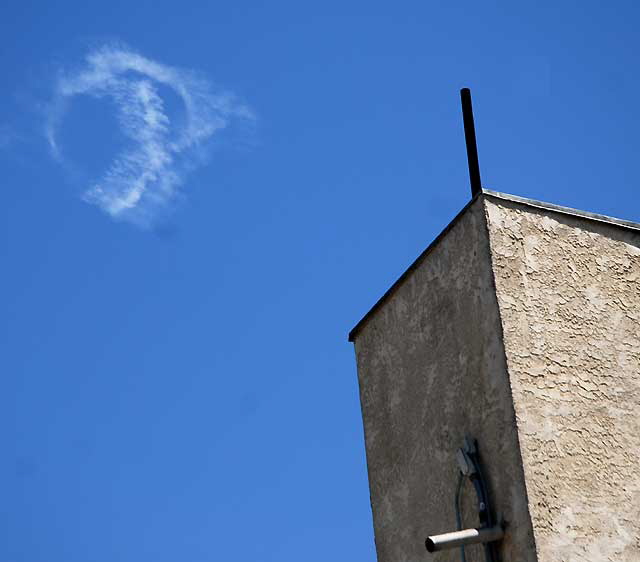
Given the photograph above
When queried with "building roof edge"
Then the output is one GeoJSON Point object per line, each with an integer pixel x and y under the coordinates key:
{"type": "Point", "coordinates": [413, 265]}
{"type": "Point", "coordinates": [629, 225]}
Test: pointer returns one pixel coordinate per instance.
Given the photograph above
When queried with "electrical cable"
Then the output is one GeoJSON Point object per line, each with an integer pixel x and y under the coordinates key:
{"type": "Point", "coordinates": [463, 557]}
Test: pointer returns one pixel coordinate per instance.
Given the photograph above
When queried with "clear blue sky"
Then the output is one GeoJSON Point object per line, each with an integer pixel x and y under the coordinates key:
{"type": "Point", "coordinates": [177, 385]}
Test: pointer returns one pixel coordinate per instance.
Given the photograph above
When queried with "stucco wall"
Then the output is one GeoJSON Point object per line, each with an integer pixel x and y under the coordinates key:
{"type": "Point", "coordinates": [569, 297]}
{"type": "Point", "coordinates": [432, 369]}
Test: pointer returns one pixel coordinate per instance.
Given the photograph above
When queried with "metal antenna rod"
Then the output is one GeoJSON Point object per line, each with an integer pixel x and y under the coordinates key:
{"type": "Point", "coordinates": [470, 138]}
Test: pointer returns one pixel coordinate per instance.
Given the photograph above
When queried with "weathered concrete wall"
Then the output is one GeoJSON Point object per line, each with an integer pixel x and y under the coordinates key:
{"type": "Point", "coordinates": [569, 296]}
{"type": "Point", "coordinates": [432, 369]}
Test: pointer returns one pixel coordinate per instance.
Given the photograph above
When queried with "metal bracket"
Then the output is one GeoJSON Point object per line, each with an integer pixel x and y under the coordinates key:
{"type": "Point", "coordinates": [489, 531]}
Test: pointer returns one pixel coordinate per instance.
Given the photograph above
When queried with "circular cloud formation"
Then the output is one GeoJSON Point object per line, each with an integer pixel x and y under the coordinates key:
{"type": "Point", "coordinates": [144, 177]}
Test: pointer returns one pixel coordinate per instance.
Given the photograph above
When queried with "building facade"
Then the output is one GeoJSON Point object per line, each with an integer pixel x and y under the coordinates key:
{"type": "Point", "coordinates": [519, 326]}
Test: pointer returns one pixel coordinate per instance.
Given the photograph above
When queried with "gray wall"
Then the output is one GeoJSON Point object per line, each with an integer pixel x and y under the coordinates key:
{"type": "Point", "coordinates": [431, 367]}
{"type": "Point", "coordinates": [569, 295]}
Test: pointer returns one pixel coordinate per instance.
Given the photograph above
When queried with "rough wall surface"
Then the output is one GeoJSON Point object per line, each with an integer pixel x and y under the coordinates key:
{"type": "Point", "coordinates": [432, 369]}
{"type": "Point", "coordinates": [569, 297]}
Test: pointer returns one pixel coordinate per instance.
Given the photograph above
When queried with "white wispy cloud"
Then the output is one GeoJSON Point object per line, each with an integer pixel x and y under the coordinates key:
{"type": "Point", "coordinates": [146, 176]}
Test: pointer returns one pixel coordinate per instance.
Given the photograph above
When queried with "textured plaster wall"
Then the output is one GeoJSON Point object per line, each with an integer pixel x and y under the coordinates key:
{"type": "Point", "coordinates": [569, 296]}
{"type": "Point", "coordinates": [432, 369]}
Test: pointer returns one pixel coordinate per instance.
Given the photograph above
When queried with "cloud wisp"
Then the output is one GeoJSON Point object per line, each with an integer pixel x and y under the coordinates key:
{"type": "Point", "coordinates": [147, 174]}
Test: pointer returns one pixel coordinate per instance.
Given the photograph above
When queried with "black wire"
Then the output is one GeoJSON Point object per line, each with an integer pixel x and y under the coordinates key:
{"type": "Point", "coordinates": [463, 557]}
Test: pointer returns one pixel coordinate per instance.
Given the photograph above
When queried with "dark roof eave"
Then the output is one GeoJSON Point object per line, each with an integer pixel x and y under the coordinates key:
{"type": "Point", "coordinates": [629, 225]}
{"type": "Point", "coordinates": [416, 262]}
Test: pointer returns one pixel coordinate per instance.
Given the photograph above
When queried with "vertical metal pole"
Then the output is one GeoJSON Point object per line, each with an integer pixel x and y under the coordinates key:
{"type": "Point", "coordinates": [470, 138]}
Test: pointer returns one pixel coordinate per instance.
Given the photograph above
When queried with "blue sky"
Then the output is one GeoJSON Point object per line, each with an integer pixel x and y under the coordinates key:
{"type": "Point", "coordinates": [177, 385]}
